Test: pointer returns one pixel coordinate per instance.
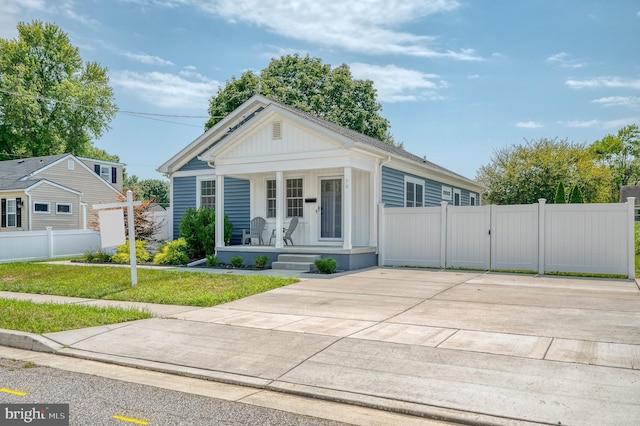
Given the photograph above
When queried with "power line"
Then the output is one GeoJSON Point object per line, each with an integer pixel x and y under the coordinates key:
{"type": "Point", "coordinates": [132, 113]}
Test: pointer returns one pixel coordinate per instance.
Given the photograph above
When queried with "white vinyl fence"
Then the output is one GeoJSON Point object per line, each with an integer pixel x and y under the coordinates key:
{"type": "Point", "coordinates": [582, 238]}
{"type": "Point", "coordinates": [49, 244]}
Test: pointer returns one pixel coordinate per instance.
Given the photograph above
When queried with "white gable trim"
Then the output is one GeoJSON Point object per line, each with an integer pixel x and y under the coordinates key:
{"type": "Point", "coordinates": [55, 185]}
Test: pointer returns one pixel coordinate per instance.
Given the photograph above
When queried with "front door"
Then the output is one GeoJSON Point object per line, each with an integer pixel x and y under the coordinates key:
{"type": "Point", "coordinates": [331, 208]}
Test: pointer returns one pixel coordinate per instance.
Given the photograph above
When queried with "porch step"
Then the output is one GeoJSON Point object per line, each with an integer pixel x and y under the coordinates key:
{"type": "Point", "coordinates": [296, 262]}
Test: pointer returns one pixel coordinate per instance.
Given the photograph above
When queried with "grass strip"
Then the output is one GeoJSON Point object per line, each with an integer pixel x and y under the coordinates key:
{"type": "Point", "coordinates": [154, 286]}
{"type": "Point", "coordinates": [42, 318]}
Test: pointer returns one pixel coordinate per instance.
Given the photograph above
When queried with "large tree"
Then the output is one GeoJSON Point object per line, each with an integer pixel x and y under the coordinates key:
{"type": "Point", "coordinates": [309, 85]}
{"type": "Point", "coordinates": [621, 154]}
{"type": "Point", "coordinates": [50, 102]}
{"type": "Point", "coordinates": [521, 174]}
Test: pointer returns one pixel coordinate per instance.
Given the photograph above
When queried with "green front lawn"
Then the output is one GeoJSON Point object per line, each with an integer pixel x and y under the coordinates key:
{"type": "Point", "coordinates": [113, 283]}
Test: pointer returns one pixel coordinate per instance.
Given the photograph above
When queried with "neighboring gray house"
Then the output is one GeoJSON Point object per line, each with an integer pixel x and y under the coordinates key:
{"type": "Point", "coordinates": [631, 191]}
{"type": "Point", "coordinates": [56, 190]}
{"type": "Point", "coordinates": [270, 160]}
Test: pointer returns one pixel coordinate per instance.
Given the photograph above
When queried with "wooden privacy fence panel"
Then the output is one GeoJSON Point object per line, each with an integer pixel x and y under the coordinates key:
{"type": "Point", "coordinates": [49, 244]}
{"type": "Point", "coordinates": [590, 238]}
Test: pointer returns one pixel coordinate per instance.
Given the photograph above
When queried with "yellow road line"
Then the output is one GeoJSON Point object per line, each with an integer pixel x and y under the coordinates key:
{"type": "Point", "coordinates": [13, 392]}
{"type": "Point", "coordinates": [130, 420]}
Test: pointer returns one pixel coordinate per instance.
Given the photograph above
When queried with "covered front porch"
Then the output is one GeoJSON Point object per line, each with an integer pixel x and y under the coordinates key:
{"type": "Point", "coordinates": [347, 259]}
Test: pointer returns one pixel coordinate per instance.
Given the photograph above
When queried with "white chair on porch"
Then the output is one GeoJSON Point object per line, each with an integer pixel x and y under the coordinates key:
{"type": "Point", "coordinates": [257, 227]}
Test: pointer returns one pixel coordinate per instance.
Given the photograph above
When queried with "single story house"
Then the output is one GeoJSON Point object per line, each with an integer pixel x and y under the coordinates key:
{"type": "Point", "coordinates": [55, 191]}
{"type": "Point", "coordinates": [269, 160]}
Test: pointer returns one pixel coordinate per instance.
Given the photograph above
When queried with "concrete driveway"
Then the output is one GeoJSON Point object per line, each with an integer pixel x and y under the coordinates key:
{"type": "Point", "coordinates": [461, 346]}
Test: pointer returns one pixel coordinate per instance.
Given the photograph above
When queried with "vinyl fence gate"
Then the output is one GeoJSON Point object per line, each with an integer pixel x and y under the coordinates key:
{"type": "Point", "coordinates": [539, 238]}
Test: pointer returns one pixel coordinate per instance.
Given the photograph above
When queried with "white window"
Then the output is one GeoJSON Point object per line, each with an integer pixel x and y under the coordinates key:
{"type": "Point", "coordinates": [41, 207]}
{"type": "Point", "coordinates": [11, 213]}
{"type": "Point", "coordinates": [207, 193]}
{"type": "Point", "coordinates": [105, 173]}
{"type": "Point", "coordinates": [71, 164]}
{"type": "Point", "coordinates": [413, 192]}
{"type": "Point", "coordinates": [446, 193]}
{"type": "Point", "coordinates": [457, 197]}
{"type": "Point", "coordinates": [295, 200]}
{"type": "Point", "coordinates": [271, 198]}
{"type": "Point", "coordinates": [473, 200]}
{"type": "Point", "coordinates": [64, 208]}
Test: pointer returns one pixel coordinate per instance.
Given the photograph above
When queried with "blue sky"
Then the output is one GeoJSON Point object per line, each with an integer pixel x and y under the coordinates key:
{"type": "Point", "coordinates": [457, 79]}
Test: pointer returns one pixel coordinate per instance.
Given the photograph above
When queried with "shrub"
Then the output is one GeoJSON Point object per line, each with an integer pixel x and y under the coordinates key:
{"type": "Point", "coordinates": [327, 265]}
{"type": "Point", "coordinates": [172, 253]}
{"type": "Point", "coordinates": [637, 237]}
{"type": "Point", "coordinates": [561, 197]}
{"type": "Point", "coordinates": [260, 262]}
{"type": "Point", "coordinates": [122, 253]}
{"type": "Point", "coordinates": [236, 261]}
{"type": "Point", "coordinates": [576, 197]}
{"type": "Point", "coordinates": [212, 261]}
{"type": "Point", "coordinates": [97, 256]}
{"type": "Point", "coordinates": [198, 228]}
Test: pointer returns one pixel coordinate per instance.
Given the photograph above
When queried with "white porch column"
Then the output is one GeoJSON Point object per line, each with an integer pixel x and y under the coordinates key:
{"type": "Point", "coordinates": [348, 211]}
{"type": "Point", "coordinates": [280, 208]}
{"type": "Point", "coordinates": [219, 211]}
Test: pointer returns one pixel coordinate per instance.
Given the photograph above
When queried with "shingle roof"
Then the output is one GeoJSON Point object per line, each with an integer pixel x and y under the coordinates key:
{"type": "Point", "coordinates": [12, 171]}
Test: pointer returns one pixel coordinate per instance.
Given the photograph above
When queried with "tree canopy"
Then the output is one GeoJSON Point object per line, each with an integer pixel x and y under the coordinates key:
{"type": "Point", "coordinates": [621, 154]}
{"type": "Point", "coordinates": [522, 174]}
{"type": "Point", "coordinates": [311, 86]}
{"type": "Point", "coordinates": [50, 102]}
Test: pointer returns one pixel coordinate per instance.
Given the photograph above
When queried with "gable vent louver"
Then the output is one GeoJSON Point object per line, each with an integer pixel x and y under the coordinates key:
{"type": "Point", "coordinates": [276, 131]}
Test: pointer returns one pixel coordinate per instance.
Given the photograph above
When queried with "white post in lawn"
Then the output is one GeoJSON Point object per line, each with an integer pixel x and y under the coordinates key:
{"type": "Point", "coordinates": [129, 204]}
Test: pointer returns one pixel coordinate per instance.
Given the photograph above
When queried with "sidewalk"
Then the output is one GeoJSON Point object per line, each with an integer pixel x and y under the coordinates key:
{"type": "Point", "coordinates": [459, 346]}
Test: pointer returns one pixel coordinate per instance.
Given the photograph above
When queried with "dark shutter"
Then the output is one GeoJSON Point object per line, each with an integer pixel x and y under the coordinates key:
{"type": "Point", "coordinates": [114, 175]}
{"type": "Point", "coordinates": [19, 212]}
{"type": "Point", "coordinates": [4, 212]}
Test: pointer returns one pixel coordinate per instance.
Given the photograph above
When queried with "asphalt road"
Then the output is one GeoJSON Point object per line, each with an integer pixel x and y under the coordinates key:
{"type": "Point", "coordinates": [96, 400]}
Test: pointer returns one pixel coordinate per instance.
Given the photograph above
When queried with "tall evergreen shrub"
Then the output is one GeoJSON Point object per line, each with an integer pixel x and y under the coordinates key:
{"type": "Point", "coordinates": [561, 197]}
{"type": "Point", "coordinates": [576, 197]}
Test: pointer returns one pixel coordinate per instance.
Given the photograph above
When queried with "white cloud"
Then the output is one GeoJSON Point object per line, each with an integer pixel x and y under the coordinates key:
{"type": "Point", "coordinates": [166, 90]}
{"type": "Point", "coordinates": [608, 82]}
{"type": "Point", "coordinates": [564, 60]}
{"type": "Point", "coordinates": [367, 26]}
{"type": "Point", "coordinates": [14, 11]}
{"type": "Point", "coordinates": [395, 84]}
{"type": "Point", "coordinates": [147, 59]}
{"type": "Point", "coordinates": [625, 101]}
{"type": "Point", "coordinates": [606, 124]}
{"type": "Point", "coordinates": [529, 124]}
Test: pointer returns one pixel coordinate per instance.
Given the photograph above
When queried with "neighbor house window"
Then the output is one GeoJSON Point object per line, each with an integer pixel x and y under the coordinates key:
{"type": "Point", "coordinates": [63, 208]}
{"type": "Point", "coordinates": [294, 198]}
{"type": "Point", "coordinates": [105, 173]}
{"type": "Point", "coordinates": [42, 208]}
{"type": "Point", "coordinates": [473, 200]}
{"type": "Point", "coordinates": [413, 192]}
{"type": "Point", "coordinates": [208, 194]}
{"type": "Point", "coordinates": [446, 193]}
{"type": "Point", "coordinates": [11, 213]}
{"type": "Point", "coordinates": [457, 197]}
{"type": "Point", "coordinates": [271, 198]}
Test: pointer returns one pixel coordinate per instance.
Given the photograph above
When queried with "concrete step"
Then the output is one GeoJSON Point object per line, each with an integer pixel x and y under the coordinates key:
{"type": "Point", "coordinates": [308, 258]}
{"type": "Point", "coordinates": [294, 266]}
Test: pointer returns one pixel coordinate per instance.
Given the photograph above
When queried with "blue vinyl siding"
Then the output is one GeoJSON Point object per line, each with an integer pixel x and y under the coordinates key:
{"type": "Point", "coordinates": [195, 164]}
{"type": "Point", "coordinates": [393, 189]}
{"type": "Point", "coordinates": [236, 203]}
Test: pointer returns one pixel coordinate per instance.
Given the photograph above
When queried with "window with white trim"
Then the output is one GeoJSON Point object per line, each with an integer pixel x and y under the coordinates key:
{"type": "Point", "coordinates": [413, 192]}
{"type": "Point", "coordinates": [105, 173]}
{"type": "Point", "coordinates": [64, 208]}
{"type": "Point", "coordinates": [446, 193]}
{"type": "Point", "coordinates": [208, 193]}
{"type": "Point", "coordinates": [295, 200]}
{"type": "Point", "coordinates": [457, 197]}
{"type": "Point", "coordinates": [12, 213]}
{"type": "Point", "coordinates": [271, 198]}
{"type": "Point", "coordinates": [473, 199]}
{"type": "Point", "coordinates": [42, 207]}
